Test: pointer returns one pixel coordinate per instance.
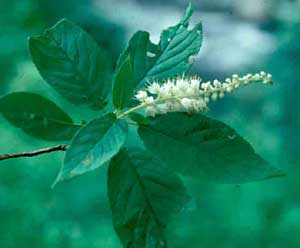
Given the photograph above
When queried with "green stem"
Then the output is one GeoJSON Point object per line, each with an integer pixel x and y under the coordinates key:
{"type": "Point", "coordinates": [124, 114]}
{"type": "Point", "coordinates": [141, 106]}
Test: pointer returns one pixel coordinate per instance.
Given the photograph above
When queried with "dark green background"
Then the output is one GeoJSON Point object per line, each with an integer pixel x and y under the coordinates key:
{"type": "Point", "coordinates": [240, 37]}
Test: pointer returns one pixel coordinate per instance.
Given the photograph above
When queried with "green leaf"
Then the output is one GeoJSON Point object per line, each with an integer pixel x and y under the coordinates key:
{"type": "Point", "coordinates": [37, 116]}
{"type": "Point", "coordinates": [169, 58]}
{"type": "Point", "coordinates": [73, 64]}
{"type": "Point", "coordinates": [139, 119]}
{"type": "Point", "coordinates": [124, 84]}
{"type": "Point", "coordinates": [143, 195]}
{"type": "Point", "coordinates": [199, 146]}
{"type": "Point", "coordinates": [94, 145]}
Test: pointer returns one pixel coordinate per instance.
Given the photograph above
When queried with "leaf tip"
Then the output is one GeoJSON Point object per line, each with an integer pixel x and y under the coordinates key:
{"type": "Point", "coordinates": [187, 15]}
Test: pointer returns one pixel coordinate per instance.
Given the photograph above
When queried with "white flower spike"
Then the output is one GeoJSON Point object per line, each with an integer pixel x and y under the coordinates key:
{"type": "Point", "coordinates": [190, 95]}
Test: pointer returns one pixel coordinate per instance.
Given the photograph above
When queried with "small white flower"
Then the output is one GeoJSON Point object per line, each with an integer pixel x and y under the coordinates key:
{"type": "Point", "coordinates": [177, 92]}
{"type": "Point", "coordinates": [154, 88]}
{"type": "Point", "coordinates": [163, 108]}
{"type": "Point", "coordinates": [256, 76]}
{"type": "Point", "coordinates": [206, 86]}
{"type": "Point", "coordinates": [150, 111]}
{"type": "Point", "coordinates": [166, 89]}
{"type": "Point", "coordinates": [214, 96]}
{"type": "Point", "coordinates": [269, 78]}
{"type": "Point", "coordinates": [246, 80]}
{"type": "Point", "coordinates": [149, 100]}
{"type": "Point", "coordinates": [189, 92]}
{"type": "Point", "coordinates": [195, 84]}
{"type": "Point", "coordinates": [263, 74]}
{"type": "Point", "coordinates": [141, 95]}
{"type": "Point", "coordinates": [186, 103]}
{"type": "Point", "coordinates": [182, 84]}
{"type": "Point", "coordinates": [216, 83]}
{"type": "Point", "coordinates": [229, 88]}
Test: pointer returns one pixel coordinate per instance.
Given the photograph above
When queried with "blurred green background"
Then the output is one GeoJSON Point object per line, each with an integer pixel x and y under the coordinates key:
{"type": "Point", "coordinates": [240, 37]}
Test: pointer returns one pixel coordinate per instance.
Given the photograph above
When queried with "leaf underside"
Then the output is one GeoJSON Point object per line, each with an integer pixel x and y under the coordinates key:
{"type": "Point", "coordinates": [94, 145]}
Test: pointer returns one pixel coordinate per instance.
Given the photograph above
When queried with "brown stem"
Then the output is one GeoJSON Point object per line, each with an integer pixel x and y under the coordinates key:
{"type": "Point", "coordinates": [34, 153]}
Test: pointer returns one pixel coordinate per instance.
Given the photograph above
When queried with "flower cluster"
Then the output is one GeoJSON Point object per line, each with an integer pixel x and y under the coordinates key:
{"type": "Point", "coordinates": [190, 94]}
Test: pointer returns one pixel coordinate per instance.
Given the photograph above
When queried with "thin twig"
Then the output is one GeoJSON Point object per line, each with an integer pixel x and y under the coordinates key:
{"type": "Point", "coordinates": [34, 153]}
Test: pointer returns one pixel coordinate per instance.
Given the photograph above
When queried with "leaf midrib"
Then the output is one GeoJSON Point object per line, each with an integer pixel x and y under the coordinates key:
{"type": "Point", "coordinates": [77, 71]}
{"type": "Point", "coordinates": [86, 152]}
{"type": "Point", "coordinates": [40, 115]}
{"type": "Point", "coordinates": [160, 55]}
{"type": "Point", "coordinates": [145, 195]}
